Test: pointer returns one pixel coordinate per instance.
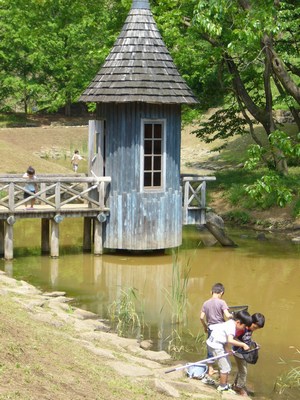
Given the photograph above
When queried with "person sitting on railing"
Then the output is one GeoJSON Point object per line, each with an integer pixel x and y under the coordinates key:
{"type": "Point", "coordinates": [30, 186]}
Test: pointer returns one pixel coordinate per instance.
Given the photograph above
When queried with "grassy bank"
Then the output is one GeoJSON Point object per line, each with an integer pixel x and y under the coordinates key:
{"type": "Point", "coordinates": [39, 361]}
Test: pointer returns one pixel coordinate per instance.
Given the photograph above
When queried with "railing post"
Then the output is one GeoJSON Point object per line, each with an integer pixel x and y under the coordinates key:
{"type": "Point", "coordinates": [1, 237]}
{"type": "Point", "coordinates": [101, 190]}
{"type": "Point", "coordinates": [43, 189]}
{"type": "Point", "coordinates": [57, 195]}
{"type": "Point", "coordinates": [203, 203]}
{"type": "Point", "coordinates": [186, 201]}
{"type": "Point", "coordinates": [11, 194]}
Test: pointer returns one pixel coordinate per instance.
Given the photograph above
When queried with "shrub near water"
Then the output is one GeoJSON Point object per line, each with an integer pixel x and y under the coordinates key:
{"type": "Point", "coordinates": [124, 316]}
{"type": "Point", "coordinates": [289, 383]}
{"type": "Point", "coordinates": [239, 217]}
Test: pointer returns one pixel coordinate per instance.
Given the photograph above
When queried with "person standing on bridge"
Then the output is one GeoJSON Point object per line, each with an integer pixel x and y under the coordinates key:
{"type": "Point", "coordinates": [30, 186]}
{"type": "Point", "coordinates": [75, 160]}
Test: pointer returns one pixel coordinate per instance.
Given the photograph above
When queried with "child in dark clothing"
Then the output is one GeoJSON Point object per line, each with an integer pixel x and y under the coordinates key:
{"type": "Point", "coordinates": [258, 322]}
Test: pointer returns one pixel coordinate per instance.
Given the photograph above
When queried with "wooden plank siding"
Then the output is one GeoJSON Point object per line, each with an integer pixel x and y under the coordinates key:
{"type": "Point", "coordinates": [139, 222]}
{"type": "Point", "coordinates": [123, 142]}
{"type": "Point", "coordinates": [141, 219]}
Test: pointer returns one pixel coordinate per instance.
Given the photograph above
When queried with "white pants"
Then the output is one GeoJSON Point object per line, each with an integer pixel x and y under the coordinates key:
{"type": "Point", "coordinates": [223, 362]}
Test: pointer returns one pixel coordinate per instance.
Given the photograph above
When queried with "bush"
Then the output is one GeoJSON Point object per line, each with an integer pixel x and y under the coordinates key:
{"type": "Point", "coordinates": [239, 217]}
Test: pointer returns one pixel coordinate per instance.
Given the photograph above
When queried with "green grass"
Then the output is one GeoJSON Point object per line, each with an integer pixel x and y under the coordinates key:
{"type": "Point", "coordinates": [124, 316]}
{"type": "Point", "coordinates": [232, 183]}
{"type": "Point", "coordinates": [7, 120]}
{"type": "Point", "coordinates": [290, 381]}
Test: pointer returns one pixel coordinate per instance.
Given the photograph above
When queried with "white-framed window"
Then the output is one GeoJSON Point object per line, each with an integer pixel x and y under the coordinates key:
{"type": "Point", "coordinates": [153, 154]}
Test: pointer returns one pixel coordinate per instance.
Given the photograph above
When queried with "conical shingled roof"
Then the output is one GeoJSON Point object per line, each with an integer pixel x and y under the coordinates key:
{"type": "Point", "coordinates": [139, 68]}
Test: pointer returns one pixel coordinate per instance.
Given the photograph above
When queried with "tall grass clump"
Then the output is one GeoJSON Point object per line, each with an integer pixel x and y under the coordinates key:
{"type": "Point", "coordinates": [124, 316]}
{"type": "Point", "coordinates": [177, 297]}
{"type": "Point", "coordinates": [178, 300]}
{"type": "Point", "coordinates": [290, 381]}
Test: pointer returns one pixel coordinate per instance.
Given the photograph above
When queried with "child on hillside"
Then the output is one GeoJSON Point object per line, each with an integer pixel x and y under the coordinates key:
{"type": "Point", "coordinates": [222, 338]}
{"type": "Point", "coordinates": [258, 322]}
{"type": "Point", "coordinates": [30, 186]}
{"type": "Point", "coordinates": [75, 160]}
{"type": "Point", "coordinates": [213, 311]}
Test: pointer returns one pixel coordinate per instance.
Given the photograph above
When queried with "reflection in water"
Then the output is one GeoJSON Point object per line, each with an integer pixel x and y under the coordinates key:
{"type": "Point", "coordinates": [54, 264]}
{"type": "Point", "coordinates": [264, 275]}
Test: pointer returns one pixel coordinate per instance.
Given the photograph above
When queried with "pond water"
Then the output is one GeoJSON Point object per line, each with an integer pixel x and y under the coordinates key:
{"type": "Point", "coordinates": [263, 274]}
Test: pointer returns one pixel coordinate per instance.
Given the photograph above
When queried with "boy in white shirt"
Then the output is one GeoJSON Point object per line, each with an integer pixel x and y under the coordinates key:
{"type": "Point", "coordinates": [75, 160]}
{"type": "Point", "coordinates": [220, 341]}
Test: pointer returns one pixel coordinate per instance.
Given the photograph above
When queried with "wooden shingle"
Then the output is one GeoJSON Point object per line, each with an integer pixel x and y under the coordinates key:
{"type": "Point", "coordinates": [139, 66]}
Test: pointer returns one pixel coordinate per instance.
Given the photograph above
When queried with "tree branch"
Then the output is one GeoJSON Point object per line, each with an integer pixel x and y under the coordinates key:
{"type": "Point", "coordinates": [242, 92]}
{"type": "Point", "coordinates": [279, 70]}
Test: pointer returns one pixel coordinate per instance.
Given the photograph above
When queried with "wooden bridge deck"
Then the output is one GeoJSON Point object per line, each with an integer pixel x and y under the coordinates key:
{"type": "Point", "coordinates": [46, 211]}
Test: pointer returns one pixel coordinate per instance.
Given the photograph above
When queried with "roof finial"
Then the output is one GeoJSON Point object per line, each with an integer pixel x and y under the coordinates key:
{"type": "Point", "coordinates": [144, 4]}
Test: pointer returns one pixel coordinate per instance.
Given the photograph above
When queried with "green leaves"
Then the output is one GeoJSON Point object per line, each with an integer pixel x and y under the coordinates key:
{"type": "Point", "coordinates": [58, 45]}
{"type": "Point", "coordinates": [255, 154]}
{"type": "Point", "coordinates": [283, 142]}
{"type": "Point", "coordinates": [223, 123]}
{"type": "Point", "coordinates": [270, 186]}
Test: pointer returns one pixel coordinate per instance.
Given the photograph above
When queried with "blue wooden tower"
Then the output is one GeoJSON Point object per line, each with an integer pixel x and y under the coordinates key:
{"type": "Point", "coordinates": [136, 136]}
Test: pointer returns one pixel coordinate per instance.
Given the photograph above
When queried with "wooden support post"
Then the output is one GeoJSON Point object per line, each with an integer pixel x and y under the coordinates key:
{"type": "Point", "coordinates": [186, 202]}
{"type": "Point", "coordinates": [54, 252]}
{"type": "Point", "coordinates": [1, 237]}
{"type": "Point", "coordinates": [203, 203]}
{"type": "Point", "coordinates": [98, 242]}
{"type": "Point", "coordinates": [8, 241]}
{"type": "Point", "coordinates": [45, 240]}
{"type": "Point", "coordinates": [87, 234]}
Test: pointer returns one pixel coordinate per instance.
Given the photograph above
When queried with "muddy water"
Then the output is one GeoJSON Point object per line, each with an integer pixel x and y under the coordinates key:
{"type": "Point", "coordinates": [264, 275]}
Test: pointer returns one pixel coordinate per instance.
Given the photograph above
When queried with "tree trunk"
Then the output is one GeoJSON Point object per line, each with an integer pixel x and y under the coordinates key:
{"type": "Point", "coordinates": [265, 117]}
{"type": "Point", "coordinates": [279, 70]}
{"type": "Point", "coordinates": [68, 109]}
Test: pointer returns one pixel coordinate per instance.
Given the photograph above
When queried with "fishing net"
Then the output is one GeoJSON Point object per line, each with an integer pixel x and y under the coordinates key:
{"type": "Point", "coordinates": [235, 309]}
{"type": "Point", "coordinates": [250, 356]}
{"type": "Point", "coordinates": [197, 371]}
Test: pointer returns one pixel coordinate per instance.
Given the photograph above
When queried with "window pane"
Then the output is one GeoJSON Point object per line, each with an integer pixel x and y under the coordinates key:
{"type": "Point", "coordinates": [148, 131]}
{"type": "Point", "coordinates": [157, 163]}
{"type": "Point", "coordinates": [157, 147]}
{"type": "Point", "coordinates": [148, 163]}
{"type": "Point", "coordinates": [148, 147]}
{"type": "Point", "coordinates": [157, 131]}
{"type": "Point", "coordinates": [156, 179]}
{"type": "Point", "coordinates": [147, 179]}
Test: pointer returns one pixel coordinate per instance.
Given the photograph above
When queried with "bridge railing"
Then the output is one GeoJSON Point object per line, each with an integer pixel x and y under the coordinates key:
{"type": "Point", "coordinates": [53, 192]}
{"type": "Point", "coordinates": [194, 199]}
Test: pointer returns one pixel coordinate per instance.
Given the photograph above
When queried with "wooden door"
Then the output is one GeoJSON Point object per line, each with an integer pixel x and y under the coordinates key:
{"type": "Point", "coordinates": [96, 160]}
